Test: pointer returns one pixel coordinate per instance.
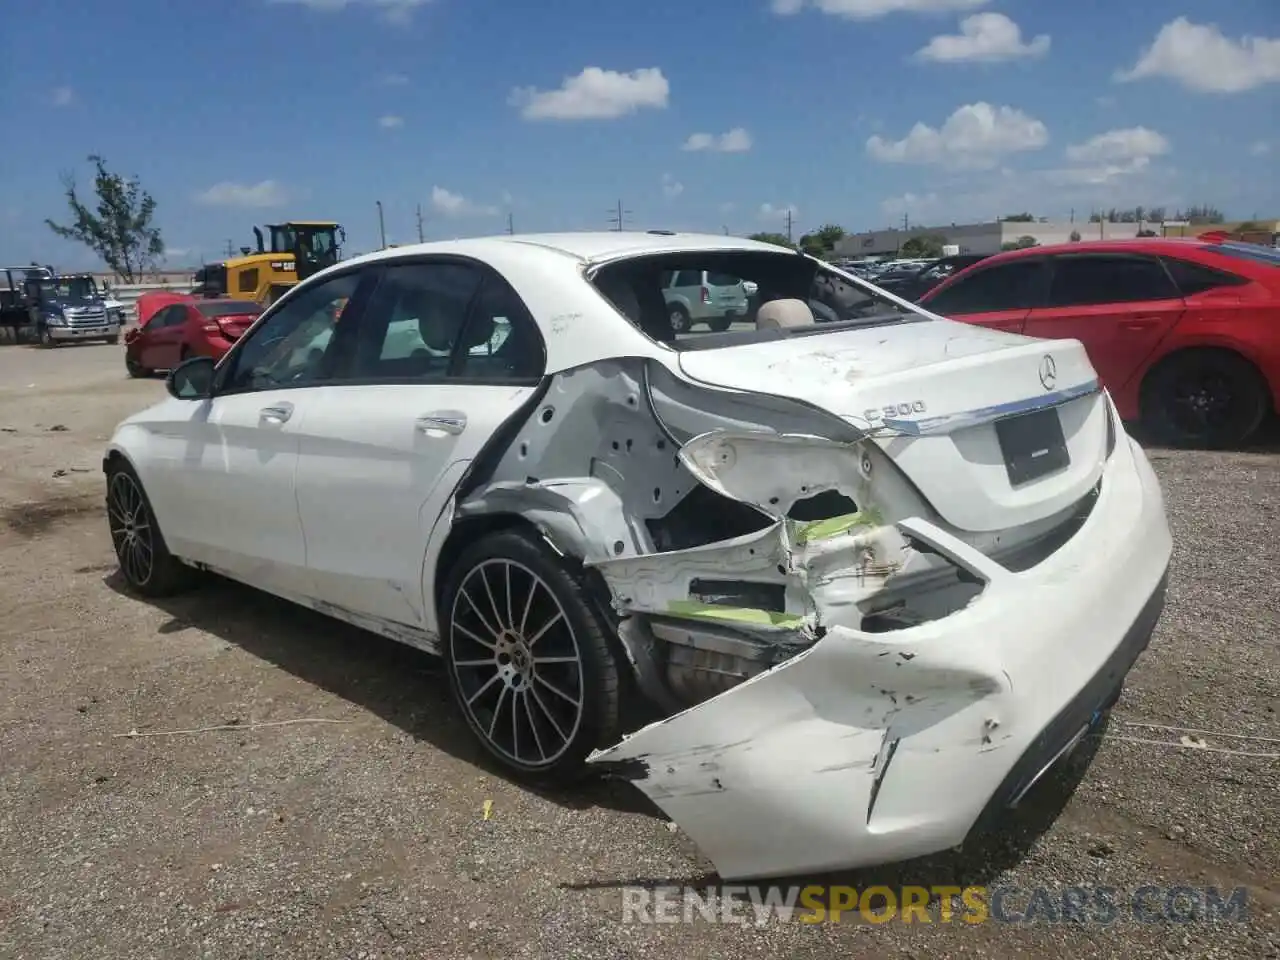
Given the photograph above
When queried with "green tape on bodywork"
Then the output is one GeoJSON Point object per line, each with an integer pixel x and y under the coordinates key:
{"type": "Point", "coordinates": [833, 526]}
{"type": "Point", "coordinates": [710, 611]}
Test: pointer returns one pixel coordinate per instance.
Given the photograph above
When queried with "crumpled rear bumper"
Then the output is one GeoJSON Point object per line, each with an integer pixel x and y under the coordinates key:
{"type": "Point", "coordinates": [876, 747]}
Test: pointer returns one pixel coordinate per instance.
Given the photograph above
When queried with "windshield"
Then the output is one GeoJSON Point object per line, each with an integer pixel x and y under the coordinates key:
{"type": "Point", "coordinates": [68, 288]}
{"type": "Point", "coordinates": [747, 296]}
{"type": "Point", "coordinates": [1247, 251]}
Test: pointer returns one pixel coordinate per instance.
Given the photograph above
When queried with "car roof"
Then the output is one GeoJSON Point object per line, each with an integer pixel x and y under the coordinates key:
{"type": "Point", "coordinates": [1154, 245]}
{"type": "Point", "coordinates": [585, 246]}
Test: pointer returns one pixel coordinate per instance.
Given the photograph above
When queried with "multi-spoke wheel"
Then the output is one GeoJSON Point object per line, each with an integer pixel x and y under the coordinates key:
{"type": "Point", "coordinates": [1209, 398]}
{"type": "Point", "coordinates": [528, 660]}
{"type": "Point", "coordinates": [145, 561]}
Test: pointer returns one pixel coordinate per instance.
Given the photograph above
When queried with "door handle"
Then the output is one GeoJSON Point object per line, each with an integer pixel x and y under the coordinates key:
{"type": "Point", "coordinates": [276, 413]}
{"type": "Point", "coordinates": [448, 422]}
{"type": "Point", "coordinates": [1139, 323]}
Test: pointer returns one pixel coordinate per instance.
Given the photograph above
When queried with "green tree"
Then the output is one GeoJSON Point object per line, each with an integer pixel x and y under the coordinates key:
{"type": "Point", "coordinates": [1202, 213]}
{"type": "Point", "coordinates": [1022, 243]}
{"type": "Point", "coordinates": [775, 238]}
{"type": "Point", "coordinates": [1023, 217]}
{"type": "Point", "coordinates": [926, 245]}
{"type": "Point", "coordinates": [120, 230]}
{"type": "Point", "coordinates": [1147, 233]}
{"type": "Point", "coordinates": [1075, 236]}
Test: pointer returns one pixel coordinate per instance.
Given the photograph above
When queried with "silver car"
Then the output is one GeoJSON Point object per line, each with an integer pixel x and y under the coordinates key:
{"type": "Point", "coordinates": [703, 296]}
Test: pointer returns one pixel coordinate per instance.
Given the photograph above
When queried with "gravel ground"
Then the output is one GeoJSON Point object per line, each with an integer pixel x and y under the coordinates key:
{"type": "Point", "coordinates": [366, 836]}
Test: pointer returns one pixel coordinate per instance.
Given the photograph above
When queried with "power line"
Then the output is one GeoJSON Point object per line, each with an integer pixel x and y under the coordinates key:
{"type": "Point", "coordinates": [618, 217]}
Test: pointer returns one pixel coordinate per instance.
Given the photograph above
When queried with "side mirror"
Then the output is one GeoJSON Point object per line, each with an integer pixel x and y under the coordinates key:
{"type": "Point", "coordinates": [191, 380]}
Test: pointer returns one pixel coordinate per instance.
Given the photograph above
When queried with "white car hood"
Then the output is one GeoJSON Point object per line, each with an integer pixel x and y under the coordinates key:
{"type": "Point", "coordinates": [930, 390]}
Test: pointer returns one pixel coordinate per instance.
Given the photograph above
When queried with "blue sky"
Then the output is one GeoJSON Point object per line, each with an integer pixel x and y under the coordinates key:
{"type": "Point", "coordinates": [708, 115]}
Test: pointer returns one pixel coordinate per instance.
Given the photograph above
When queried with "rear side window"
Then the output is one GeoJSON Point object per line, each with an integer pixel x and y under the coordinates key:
{"type": "Point", "coordinates": [1016, 285]}
{"type": "Point", "coordinates": [1193, 278]}
{"type": "Point", "coordinates": [722, 280]}
{"type": "Point", "coordinates": [414, 320]}
{"type": "Point", "coordinates": [1096, 280]}
{"type": "Point", "coordinates": [688, 278]}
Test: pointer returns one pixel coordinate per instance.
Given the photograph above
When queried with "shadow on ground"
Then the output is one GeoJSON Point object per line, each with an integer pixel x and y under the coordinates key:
{"type": "Point", "coordinates": [403, 686]}
{"type": "Point", "coordinates": [408, 688]}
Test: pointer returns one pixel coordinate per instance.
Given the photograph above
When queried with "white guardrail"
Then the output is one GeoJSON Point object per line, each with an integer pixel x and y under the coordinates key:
{"type": "Point", "coordinates": [128, 294]}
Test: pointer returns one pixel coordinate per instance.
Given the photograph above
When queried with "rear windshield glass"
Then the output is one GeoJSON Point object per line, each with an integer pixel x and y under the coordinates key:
{"type": "Point", "coordinates": [228, 308]}
{"type": "Point", "coordinates": [741, 301]}
{"type": "Point", "coordinates": [1246, 251]}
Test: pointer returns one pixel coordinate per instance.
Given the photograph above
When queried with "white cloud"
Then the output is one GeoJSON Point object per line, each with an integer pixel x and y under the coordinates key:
{"type": "Point", "coordinates": [595, 94]}
{"type": "Point", "coordinates": [983, 38]}
{"type": "Point", "coordinates": [770, 212]}
{"type": "Point", "coordinates": [1260, 149]}
{"type": "Point", "coordinates": [908, 203]}
{"type": "Point", "coordinates": [728, 206]}
{"type": "Point", "coordinates": [1200, 58]}
{"type": "Point", "coordinates": [452, 204]}
{"type": "Point", "coordinates": [975, 135]}
{"type": "Point", "coordinates": [396, 11]}
{"type": "Point", "coordinates": [62, 96]}
{"type": "Point", "coordinates": [873, 9]}
{"type": "Point", "coordinates": [671, 187]}
{"type": "Point", "coordinates": [737, 140]}
{"type": "Point", "coordinates": [390, 122]}
{"type": "Point", "coordinates": [1116, 145]}
{"type": "Point", "coordinates": [394, 79]}
{"type": "Point", "coordinates": [264, 193]}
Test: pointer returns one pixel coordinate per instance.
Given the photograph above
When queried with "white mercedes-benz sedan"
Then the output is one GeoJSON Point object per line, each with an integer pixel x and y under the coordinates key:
{"type": "Point", "coordinates": [868, 578]}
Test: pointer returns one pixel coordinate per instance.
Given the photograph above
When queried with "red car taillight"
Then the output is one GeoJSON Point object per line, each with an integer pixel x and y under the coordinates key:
{"type": "Point", "coordinates": [706, 295]}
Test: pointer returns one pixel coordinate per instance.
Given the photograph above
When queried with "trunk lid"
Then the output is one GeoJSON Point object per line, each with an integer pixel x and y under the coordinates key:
{"type": "Point", "coordinates": [941, 396]}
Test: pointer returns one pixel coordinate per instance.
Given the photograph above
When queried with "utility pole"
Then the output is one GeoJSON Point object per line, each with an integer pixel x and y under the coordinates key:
{"type": "Point", "coordinates": [420, 236]}
{"type": "Point", "coordinates": [619, 217]}
{"type": "Point", "coordinates": [382, 226]}
{"type": "Point", "coordinates": [788, 224]}
{"type": "Point", "coordinates": [231, 250]}
{"type": "Point", "coordinates": [1073, 214]}
{"type": "Point", "coordinates": [511, 223]}
{"type": "Point", "coordinates": [906, 222]}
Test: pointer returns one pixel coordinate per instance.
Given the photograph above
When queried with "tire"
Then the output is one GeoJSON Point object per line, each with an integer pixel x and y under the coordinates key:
{"type": "Point", "coordinates": [136, 370]}
{"type": "Point", "coordinates": [680, 321]}
{"type": "Point", "coordinates": [46, 339]}
{"type": "Point", "coordinates": [1204, 398]}
{"type": "Point", "coordinates": [491, 667]}
{"type": "Point", "coordinates": [113, 340]}
{"type": "Point", "coordinates": [145, 562]}
{"type": "Point", "coordinates": [720, 325]}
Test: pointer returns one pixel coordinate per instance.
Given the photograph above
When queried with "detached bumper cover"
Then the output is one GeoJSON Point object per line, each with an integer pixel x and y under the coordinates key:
{"type": "Point", "coordinates": [875, 747]}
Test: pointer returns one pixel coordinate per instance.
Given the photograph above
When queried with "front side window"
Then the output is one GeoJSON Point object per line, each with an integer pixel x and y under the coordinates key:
{"type": "Point", "coordinates": [1005, 286]}
{"type": "Point", "coordinates": [289, 347]}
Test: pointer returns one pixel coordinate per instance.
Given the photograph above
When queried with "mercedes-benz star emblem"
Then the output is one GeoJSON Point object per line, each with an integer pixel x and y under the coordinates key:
{"type": "Point", "coordinates": [1048, 372]}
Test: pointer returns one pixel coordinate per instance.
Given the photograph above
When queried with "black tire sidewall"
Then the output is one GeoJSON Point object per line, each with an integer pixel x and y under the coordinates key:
{"type": "Point", "coordinates": [680, 321]}
{"type": "Point", "coordinates": [1247, 386]}
{"type": "Point", "coordinates": [599, 723]}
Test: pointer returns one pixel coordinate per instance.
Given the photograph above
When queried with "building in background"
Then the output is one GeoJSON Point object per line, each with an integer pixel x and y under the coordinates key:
{"type": "Point", "coordinates": [991, 237]}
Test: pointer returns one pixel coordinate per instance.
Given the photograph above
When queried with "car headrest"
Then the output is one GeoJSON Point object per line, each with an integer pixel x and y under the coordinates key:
{"type": "Point", "coordinates": [780, 314]}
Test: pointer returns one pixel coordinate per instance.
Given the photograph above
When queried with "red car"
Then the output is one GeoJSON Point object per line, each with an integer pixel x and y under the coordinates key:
{"type": "Point", "coordinates": [149, 303]}
{"type": "Point", "coordinates": [1184, 334]}
{"type": "Point", "coordinates": [188, 328]}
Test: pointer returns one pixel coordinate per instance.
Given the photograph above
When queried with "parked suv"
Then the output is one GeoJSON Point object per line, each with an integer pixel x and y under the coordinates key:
{"type": "Point", "coordinates": [703, 296]}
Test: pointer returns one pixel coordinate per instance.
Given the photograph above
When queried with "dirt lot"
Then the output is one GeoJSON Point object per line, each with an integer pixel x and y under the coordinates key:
{"type": "Point", "coordinates": [365, 836]}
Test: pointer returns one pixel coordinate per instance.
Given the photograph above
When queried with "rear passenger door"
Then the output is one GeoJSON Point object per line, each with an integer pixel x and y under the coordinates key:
{"type": "Point", "coordinates": [1120, 306]}
{"type": "Point", "coordinates": [999, 296]}
{"type": "Point", "coordinates": [443, 356]}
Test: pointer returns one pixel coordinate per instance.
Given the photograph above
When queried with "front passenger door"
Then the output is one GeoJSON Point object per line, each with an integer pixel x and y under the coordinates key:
{"type": "Point", "coordinates": [240, 514]}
